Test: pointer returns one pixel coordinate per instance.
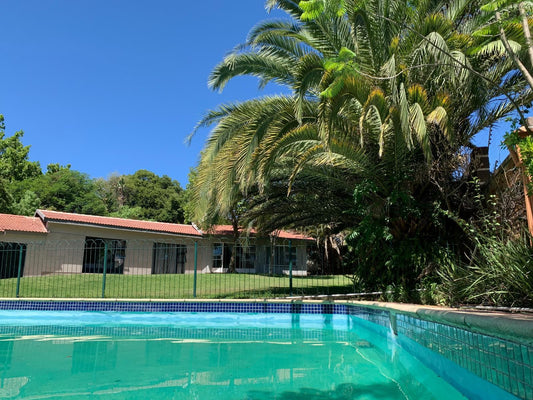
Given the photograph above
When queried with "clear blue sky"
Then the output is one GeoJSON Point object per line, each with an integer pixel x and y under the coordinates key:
{"type": "Point", "coordinates": [116, 85]}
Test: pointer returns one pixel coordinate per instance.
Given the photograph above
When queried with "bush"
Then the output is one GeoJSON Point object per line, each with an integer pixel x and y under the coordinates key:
{"type": "Point", "coordinates": [499, 272]}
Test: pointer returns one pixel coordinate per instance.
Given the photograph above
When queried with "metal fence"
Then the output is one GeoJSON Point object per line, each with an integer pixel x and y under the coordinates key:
{"type": "Point", "coordinates": [106, 268]}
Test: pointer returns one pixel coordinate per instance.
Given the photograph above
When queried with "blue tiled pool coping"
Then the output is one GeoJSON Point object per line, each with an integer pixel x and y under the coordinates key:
{"type": "Point", "coordinates": [506, 364]}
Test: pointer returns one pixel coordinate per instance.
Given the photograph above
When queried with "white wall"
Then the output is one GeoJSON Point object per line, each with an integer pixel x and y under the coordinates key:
{"type": "Point", "coordinates": [61, 251]}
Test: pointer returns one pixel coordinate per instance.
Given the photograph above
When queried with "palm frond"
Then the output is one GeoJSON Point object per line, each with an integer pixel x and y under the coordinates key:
{"type": "Point", "coordinates": [269, 67]}
{"type": "Point", "coordinates": [417, 124]}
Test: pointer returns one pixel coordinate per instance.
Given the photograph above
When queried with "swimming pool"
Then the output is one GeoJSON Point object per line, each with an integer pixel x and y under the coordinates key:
{"type": "Point", "coordinates": [238, 351]}
{"type": "Point", "coordinates": [207, 356]}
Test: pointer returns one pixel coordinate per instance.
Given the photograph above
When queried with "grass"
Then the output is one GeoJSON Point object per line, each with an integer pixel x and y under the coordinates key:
{"type": "Point", "coordinates": [209, 286]}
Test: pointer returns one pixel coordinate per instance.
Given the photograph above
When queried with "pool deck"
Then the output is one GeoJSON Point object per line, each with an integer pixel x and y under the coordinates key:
{"type": "Point", "coordinates": [513, 326]}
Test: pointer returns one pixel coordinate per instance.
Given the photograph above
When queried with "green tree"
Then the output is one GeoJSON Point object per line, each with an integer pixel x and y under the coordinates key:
{"type": "Point", "coordinates": [129, 213]}
{"type": "Point", "coordinates": [55, 168]}
{"type": "Point", "coordinates": [23, 188]}
{"type": "Point", "coordinates": [187, 198]}
{"type": "Point", "coordinates": [364, 92]}
{"type": "Point", "coordinates": [27, 204]}
{"type": "Point", "coordinates": [381, 92]}
{"type": "Point", "coordinates": [506, 31]}
{"type": "Point", "coordinates": [14, 164]}
{"type": "Point", "coordinates": [6, 199]}
{"type": "Point", "coordinates": [111, 191]}
{"type": "Point", "coordinates": [61, 189]}
{"type": "Point", "coordinates": [159, 198]}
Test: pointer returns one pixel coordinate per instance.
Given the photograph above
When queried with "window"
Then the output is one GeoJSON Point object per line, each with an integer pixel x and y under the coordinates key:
{"type": "Point", "coordinates": [12, 255]}
{"type": "Point", "coordinates": [169, 258]}
{"type": "Point", "coordinates": [246, 257]}
{"type": "Point", "coordinates": [218, 255]}
{"type": "Point", "coordinates": [104, 253]}
{"type": "Point", "coordinates": [279, 259]}
{"type": "Point", "coordinates": [281, 256]}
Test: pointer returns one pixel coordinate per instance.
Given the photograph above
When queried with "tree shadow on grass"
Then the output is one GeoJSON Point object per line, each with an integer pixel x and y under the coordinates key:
{"type": "Point", "coordinates": [343, 391]}
{"type": "Point", "coordinates": [282, 292]}
{"type": "Point", "coordinates": [313, 286]}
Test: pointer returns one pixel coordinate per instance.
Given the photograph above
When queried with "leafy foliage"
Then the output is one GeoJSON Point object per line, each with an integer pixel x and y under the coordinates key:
{"type": "Point", "coordinates": [498, 269]}
{"type": "Point", "coordinates": [523, 144]}
{"type": "Point", "coordinates": [399, 247]}
{"type": "Point", "coordinates": [14, 164]}
{"type": "Point", "coordinates": [313, 8]}
{"type": "Point", "coordinates": [142, 195]}
{"type": "Point", "coordinates": [27, 204]}
{"type": "Point", "coordinates": [157, 197]}
{"type": "Point", "coordinates": [363, 105]}
{"type": "Point", "coordinates": [384, 99]}
{"type": "Point", "coordinates": [505, 31]}
{"type": "Point", "coordinates": [60, 189]}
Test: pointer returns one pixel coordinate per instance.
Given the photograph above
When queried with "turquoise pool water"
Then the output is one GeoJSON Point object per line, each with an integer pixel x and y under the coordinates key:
{"type": "Point", "coordinates": [112, 355]}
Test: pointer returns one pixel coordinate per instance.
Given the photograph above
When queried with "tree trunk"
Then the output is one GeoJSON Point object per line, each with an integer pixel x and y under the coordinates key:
{"type": "Point", "coordinates": [231, 266]}
{"type": "Point", "coordinates": [233, 259]}
{"type": "Point", "coordinates": [272, 253]}
{"type": "Point", "coordinates": [514, 57]}
{"type": "Point", "coordinates": [527, 32]}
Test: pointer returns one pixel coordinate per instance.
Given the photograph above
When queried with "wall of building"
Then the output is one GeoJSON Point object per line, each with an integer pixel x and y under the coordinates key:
{"type": "Point", "coordinates": [35, 244]}
{"type": "Point", "coordinates": [61, 251]}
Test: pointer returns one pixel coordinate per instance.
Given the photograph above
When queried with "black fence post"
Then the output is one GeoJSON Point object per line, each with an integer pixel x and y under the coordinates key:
{"type": "Point", "coordinates": [19, 269]}
{"type": "Point", "coordinates": [105, 270]}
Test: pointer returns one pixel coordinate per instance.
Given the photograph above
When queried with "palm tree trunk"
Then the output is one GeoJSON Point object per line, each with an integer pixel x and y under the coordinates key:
{"type": "Point", "coordinates": [232, 261]}
{"type": "Point", "coordinates": [231, 266]}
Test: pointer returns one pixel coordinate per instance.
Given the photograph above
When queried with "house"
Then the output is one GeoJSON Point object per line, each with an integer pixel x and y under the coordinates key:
{"type": "Point", "coordinates": [55, 242]}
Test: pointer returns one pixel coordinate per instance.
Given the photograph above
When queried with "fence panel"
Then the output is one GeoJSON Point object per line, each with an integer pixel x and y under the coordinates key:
{"type": "Point", "coordinates": [107, 268]}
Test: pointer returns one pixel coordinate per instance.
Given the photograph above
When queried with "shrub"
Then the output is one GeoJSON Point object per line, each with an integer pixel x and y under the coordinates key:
{"type": "Point", "coordinates": [499, 272]}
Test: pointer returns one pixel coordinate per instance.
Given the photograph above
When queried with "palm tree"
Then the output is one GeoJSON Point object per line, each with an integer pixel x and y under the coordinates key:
{"type": "Point", "coordinates": [383, 98]}
{"type": "Point", "coordinates": [378, 93]}
{"type": "Point", "coordinates": [505, 30]}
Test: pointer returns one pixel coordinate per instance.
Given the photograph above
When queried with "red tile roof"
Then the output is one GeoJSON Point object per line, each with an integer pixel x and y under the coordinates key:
{"type": "Point", "coordinates": [228, 230]}
{"type": "Point", "coordinates": [224, 230]}
{"type": "Point", "coordinates": [162, 227]}
{"type": "Point", "coordinates": [291, 235]}
{"type": "Point", "coordinates": [20, 223]}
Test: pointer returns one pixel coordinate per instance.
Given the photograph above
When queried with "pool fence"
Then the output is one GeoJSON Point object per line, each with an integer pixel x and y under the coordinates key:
{"type": "Point", "coordinates": [144, 269]}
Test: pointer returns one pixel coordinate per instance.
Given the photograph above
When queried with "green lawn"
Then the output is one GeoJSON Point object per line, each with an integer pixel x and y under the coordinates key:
{"type": "Point", "coordinates": [173, 286]}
